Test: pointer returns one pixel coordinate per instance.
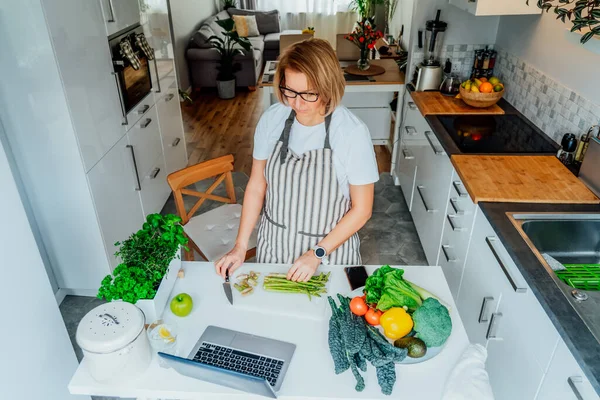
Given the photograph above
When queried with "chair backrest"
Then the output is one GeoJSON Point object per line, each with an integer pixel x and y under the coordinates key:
{"type": "Point", "coordinates": [345, 49]}
{"type": "Point", "coordinates": [179, 181]}
{"type": "Point", "coordinates": [287, 40]}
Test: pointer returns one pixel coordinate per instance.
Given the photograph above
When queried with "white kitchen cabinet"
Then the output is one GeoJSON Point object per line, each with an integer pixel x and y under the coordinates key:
{"type": "Point", "coordinates": [86, 68]}
{"type": "Point", "coordinates": [113, 184]}
{"type": "Point", "coordinates": [144, 136]}
{"type": "Point", "coordinates": [497, 7]}
{"type": "Point", "coordinates": [432, 189]}
{"type": "Point", "coordinates": [119, 14]}
{"type": "Point", "coordinates": [155, 190]}
{"type": "Point", "coordinates": [564, 379]}
{"type": "Point", "coordinates": [407, 170]}
{"type": "Point", "coordinates": [378, 120]}
{"type": "Point", "coordinates": [171, 128]}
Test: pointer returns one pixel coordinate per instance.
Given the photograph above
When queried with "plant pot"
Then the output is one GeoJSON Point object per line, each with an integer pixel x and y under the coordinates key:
{"type": "Point", "coordinates": [226, 89]}
{"type": "Point", "coordinates": [153, 308]}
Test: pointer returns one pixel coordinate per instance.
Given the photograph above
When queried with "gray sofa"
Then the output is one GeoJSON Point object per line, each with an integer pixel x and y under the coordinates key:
{"type": "Point", "coordinates": [202, 59]}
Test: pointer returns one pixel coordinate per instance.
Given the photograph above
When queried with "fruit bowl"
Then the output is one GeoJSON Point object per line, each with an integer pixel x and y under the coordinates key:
{"type": "Point", "coordinates": [480, 100]}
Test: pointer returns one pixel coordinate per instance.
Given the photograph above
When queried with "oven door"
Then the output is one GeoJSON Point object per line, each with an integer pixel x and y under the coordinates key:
{"type": "Point", "coordinates": [134, 84]}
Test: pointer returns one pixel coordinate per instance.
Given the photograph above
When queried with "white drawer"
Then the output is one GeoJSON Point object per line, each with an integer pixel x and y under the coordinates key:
{"type": "Point", "coordinates": [378, 120]}
{"type": "Point", "coordinates": [407, 171]}
{"type": "Point", "coordinates": [137, 112]}
{"type": "Point", "coordinates": [414, 124]}
{"type": "Point", "coordinates": [169, 115]}
{"type": "Point", "coordinates": [144, 136]}
{"type": "Point", "coordinates": [155, 189]}
{"type": "Point", "coordinates": [175, 156]}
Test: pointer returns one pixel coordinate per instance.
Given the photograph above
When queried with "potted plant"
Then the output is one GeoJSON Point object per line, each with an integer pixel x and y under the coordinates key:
{"type": "Point", "coordinates": [364, 36]}
{"type": "Point", "coordinates": [228, 47]}
{"type": "Point", "coordinates": [228, 4]}
{"type": "Point", "coordinates": [149, 265]}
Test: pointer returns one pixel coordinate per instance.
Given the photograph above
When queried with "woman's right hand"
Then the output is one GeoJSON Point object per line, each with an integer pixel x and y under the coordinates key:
{"type": "Point", "coordinates": [232, 260]}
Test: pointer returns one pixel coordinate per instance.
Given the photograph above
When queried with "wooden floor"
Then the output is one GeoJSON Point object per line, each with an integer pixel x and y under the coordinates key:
{"type": "Point", "coordinates": [216, 127]}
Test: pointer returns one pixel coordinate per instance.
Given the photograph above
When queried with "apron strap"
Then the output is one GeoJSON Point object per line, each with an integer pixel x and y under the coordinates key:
{"type": "Point", "coordinates": [327, 122]}
{"type": "Point", "coordinates": [285, 135]}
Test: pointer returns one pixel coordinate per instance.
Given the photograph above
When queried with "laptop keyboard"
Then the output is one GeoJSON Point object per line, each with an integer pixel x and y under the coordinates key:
{"type": "Point", "coordinates": [239, 361]}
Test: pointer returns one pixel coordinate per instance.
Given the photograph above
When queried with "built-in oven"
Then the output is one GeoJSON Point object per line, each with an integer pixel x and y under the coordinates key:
{"type": "Point", "coordinates": [131, 63]}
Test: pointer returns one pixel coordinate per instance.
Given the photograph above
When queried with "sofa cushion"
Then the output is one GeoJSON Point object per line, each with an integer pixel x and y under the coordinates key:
{"type": "Point", "coordinates": [212, 22]}
{"type": "Point", "coordinates": [267, 21]}
{"type": "Point", "coordinates": [257, 42]}
{"type": "Point", "coordinates": [200, 37]}
{"type": "Point", "coordinates": [245, 25]}
{"type": "Point", "coordinates": [272, 39]}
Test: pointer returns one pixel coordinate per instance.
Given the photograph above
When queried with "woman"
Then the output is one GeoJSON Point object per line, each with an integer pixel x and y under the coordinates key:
{"type": "Point", "coordinates": [313, 171]}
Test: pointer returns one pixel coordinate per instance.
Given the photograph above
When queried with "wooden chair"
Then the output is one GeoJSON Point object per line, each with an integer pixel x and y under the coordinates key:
{"type": "Point", "coordinates": [345, 49]}
{"type": "Point", "coordinates": [288, 40]}
{"type": "Point", "coordinates": [213, 233]}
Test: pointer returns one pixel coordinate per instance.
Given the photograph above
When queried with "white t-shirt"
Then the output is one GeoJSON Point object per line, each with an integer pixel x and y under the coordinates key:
{"type": "Point", "coordinates": [353, 154]}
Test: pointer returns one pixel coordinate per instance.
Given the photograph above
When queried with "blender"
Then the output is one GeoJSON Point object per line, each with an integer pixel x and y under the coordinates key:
{"type": "Point", "coordinates": [428, 74]}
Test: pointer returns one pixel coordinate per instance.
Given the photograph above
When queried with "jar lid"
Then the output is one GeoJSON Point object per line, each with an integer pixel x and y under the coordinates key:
{"type": "Point", "coordinates": [110, 327]}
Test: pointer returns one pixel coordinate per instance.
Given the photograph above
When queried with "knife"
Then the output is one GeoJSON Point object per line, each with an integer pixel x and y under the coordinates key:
{"type": "Point", "coordinates": [227, 287]}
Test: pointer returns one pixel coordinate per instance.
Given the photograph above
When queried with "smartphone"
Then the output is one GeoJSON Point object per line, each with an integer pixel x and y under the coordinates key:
{"type": "Point", "coordinates": [357, 276]}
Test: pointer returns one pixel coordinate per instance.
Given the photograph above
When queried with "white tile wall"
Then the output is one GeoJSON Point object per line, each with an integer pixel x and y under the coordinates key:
{"type": "Point", "coordinates": [461, 55]}
{"type": "Point", "coordinates": [553, 107]}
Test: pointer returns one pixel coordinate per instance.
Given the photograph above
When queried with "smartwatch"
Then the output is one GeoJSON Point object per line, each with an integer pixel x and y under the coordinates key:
{"type": "Point", "coordinates": [321, 254]}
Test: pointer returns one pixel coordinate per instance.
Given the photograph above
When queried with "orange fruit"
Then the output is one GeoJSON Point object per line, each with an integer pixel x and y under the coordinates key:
{"type": "Point", "coordinates": [483, 79]}
{"type": "Point", "coordinates": [486, 87]}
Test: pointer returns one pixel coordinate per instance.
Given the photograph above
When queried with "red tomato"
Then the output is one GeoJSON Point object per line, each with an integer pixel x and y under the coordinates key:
{"type": "Point", "coordinates": [372, 316]}
{"type": "Point", "coordinates": [358, 306]}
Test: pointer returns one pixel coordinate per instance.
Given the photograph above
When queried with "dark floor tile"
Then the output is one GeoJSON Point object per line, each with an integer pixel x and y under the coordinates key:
{"type": "Point", "coordinates": [411, 254]}
{"type": "Point", "coordinates": [393, 194]}
{"type": "Point", "coordinates": [399, 212]}
{"type": "Point", "coordinates": [380, 204]}
{"type": "Point", "coordinates": [379, 222]}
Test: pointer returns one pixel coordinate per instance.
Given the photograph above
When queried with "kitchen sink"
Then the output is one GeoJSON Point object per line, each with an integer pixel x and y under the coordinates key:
{"type": "Point", "coordinates": [570, 238]}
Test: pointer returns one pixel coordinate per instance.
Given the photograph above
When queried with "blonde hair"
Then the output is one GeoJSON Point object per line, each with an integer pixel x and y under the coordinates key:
{"type": "Point", "coordinates": [316, 59]}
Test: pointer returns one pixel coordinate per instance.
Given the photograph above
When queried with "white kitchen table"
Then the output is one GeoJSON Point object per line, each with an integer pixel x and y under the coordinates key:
{"type": "Point", "coordinates": [311, 373]}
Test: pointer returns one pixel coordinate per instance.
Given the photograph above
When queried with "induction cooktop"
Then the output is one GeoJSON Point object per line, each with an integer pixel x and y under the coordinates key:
{"type": "Point", "coordinates": [496, 134]}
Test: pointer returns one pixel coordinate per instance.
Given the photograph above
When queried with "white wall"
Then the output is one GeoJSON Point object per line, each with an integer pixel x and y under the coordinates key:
{"type": "Point", "coordinates": [544, 42]}
{"type": "Point", "coordinates": [38, 359]}
{"type": "Point", "coordinates": [186, 16]}
{"type": "Point", "coordinates": [403, 16]}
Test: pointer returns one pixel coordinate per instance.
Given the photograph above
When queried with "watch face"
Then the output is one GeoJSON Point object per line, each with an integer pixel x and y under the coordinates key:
{"type": "Point", "coordinates": [320, 252]}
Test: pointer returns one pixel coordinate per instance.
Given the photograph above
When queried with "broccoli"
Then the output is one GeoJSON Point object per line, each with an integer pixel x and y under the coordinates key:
{"type": "Point", "coordinates": [432, 323]}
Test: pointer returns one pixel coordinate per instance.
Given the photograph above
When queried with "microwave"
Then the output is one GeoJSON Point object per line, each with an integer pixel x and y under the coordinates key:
{"type": "Point", "coordinates": [133, 84]}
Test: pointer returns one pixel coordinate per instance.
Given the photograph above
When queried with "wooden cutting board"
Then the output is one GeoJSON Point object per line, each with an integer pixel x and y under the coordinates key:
{"type": "Point", "coordinates": [435, 103]}
{"type": "Point", "coordinates": [286, 304]}
{"type": "Point", "coordinates": [520, 179]}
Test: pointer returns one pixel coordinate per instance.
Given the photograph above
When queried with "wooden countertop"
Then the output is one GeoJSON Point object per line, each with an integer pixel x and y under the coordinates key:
{"type": "Point", "coordinates": [434, 103]}
{"type": "Point", "coordinates": [520, 179]}
{"type": "Point", "coordinates": [391, 76]}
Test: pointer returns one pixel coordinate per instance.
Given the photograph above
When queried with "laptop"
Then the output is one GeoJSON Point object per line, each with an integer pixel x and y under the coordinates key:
{"type": "Point", "coordinates": [241, 361]}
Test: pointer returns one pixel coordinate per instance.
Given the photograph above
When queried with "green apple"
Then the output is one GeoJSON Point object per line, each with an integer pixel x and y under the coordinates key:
{"type": "Point", "coordinates": [182, 304]}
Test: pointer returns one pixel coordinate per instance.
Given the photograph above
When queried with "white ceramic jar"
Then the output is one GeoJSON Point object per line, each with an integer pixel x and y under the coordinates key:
{"type": "Point", "coordinates": [114, 342]}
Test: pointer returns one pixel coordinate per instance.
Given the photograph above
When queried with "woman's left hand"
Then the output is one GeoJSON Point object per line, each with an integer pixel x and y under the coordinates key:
{"type": "Point", "coordinates": [304, 267]}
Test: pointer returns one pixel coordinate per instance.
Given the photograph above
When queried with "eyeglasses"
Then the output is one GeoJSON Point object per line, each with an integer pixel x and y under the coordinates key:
{"type": "Point", "coordinates": [306, 96]}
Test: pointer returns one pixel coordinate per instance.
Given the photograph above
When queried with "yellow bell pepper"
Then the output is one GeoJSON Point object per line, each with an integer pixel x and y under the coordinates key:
{"type": "Point", "coordinates": [396, 323]}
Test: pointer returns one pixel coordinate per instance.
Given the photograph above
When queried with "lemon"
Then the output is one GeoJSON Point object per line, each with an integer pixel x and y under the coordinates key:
{"type": "Point", "coordinates": [494, 81]}
{"type": "Point", "coordinates": [164, 333]}
{"type": "Point", "coordinates": [498, 88]}
{"type": "Point", "coordinates": [468, 87]}
{"type": "Point", "coordinates": [477, 82]}
{"type": "Point", "coordinates": [474, 89]}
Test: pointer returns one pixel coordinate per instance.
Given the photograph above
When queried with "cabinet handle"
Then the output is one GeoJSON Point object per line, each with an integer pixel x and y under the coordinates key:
{"type": "Point", "coordinates": [412, 105]}
{"type": "Point", "coordinates": [483, 313]}
{"type": "Point", "coordinates": [112, 12]}
{"type": "Point", "coordinates": [120, 91]}
{"type": "Point", "coordinates": [455, 207]}
{"type": "Point", "coordinates": [169, 97]}
{"type": "Point", "coordinates": [460, 189]}
{"type": "Point", "coordinates": [146, 123]}
{"type": "Point", "coordinates": [491, 241]}
{"type": "Point", "coordinates": [455, 227]}
{"type": "Point", "coordinates": [448, 253]}
{"type": "Point", "coordinates": [573, 381]}
{"type": "Point", "coordinates": [143, 110]}
{"type": "Point", "coordinates": [420, 190]}
{"type": "Point", "coordinates": [435, 151]}
{"type": "Point", "coordinates": [175, 142]}
{"type": "Point", "coordinates": [154, 173]}
{"type": "Point", "coordinates": [493, 327]}
{"type": "Point", "coordinates": [410, 130]}
{"type": "Point", "coordinates": [157, 77]}
{"type": "Point", "coordinates": [135, 169]}
{"type": "Point", "coordinates": [407, 155]}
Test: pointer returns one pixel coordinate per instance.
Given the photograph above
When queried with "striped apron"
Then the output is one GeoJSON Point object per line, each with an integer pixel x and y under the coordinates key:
{"type": "Point", "coordinates": [303, 204]}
